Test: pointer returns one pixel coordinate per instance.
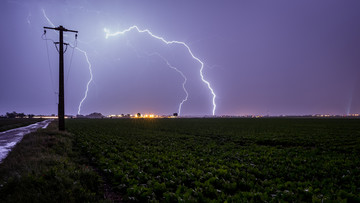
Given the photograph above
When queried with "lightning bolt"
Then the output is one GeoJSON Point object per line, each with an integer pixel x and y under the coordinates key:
{"type": "Point", "coordinates": [108, 34]}
{"type": "Point", "coordinates": [47, 19]}
{"type": "Point", "coordinates": [87, 60]}
{"type": "Point", "coordinates": [182, 75]}
{"type": "Point", "coordinates": [88, 83]}
{"type": "Point", "coordinates": [170, 66]}
{"type": "Point", "coordinates": [349, 104]}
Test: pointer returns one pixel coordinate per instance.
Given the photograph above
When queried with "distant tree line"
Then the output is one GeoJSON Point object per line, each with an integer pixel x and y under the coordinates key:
{"type": "Point", "coordinates": [17, 115]}
{"type": "Point", "coordinates": [92, 115]}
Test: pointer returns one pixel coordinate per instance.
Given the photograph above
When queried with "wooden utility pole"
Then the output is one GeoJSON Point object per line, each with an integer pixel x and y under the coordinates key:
{"type": "Point", "coordinates": [61, 106]}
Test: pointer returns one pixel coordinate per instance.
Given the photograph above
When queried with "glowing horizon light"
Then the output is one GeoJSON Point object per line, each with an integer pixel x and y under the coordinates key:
{"type": "Point", "coordinates": [108, 34]}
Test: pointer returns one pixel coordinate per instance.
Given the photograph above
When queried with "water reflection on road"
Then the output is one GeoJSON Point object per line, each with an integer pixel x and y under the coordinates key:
{"type": "Point", "coordinates": [9, 138]}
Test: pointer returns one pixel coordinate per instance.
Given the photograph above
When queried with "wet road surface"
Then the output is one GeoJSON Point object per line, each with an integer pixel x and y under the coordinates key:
{"type": "Point", "coordinates": [9, 138]}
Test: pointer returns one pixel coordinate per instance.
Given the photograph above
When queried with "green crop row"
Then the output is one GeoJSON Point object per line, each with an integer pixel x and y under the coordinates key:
{"type": "Point", "coordinates": [202, 160]}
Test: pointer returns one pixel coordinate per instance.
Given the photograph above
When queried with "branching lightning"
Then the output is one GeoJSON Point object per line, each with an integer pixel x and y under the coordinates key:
{"type": "Point", "coordinates": [87, 60]}
{"type": "Point", "coordinates": [348, 110]}
{"type": "Point", "coordinates": [88, 83]}
{"type": "Point", "coordinates": [182, 75]}
{"type": "Point", "coordinates": [47, 19]}
{"type": "Point", "coordinates": [108, 34]}
{"type": "Point", "coordinates": [170, 66]}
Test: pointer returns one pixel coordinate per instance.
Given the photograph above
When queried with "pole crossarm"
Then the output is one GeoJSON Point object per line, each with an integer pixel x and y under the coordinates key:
{"type": "Point", "coordinates": [60, 28]}
{"type": "Point", "coordinates": [59, 43]}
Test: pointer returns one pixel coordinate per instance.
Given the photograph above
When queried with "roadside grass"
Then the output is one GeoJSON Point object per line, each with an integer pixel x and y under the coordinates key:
{"type": "Point", "coordinates": [46, 167]}
{"type": "Point", "coordinates": [10, 123]}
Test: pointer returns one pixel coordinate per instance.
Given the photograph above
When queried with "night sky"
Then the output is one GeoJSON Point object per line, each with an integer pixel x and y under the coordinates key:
{"type": "Point", "coordinates": [260, 57]}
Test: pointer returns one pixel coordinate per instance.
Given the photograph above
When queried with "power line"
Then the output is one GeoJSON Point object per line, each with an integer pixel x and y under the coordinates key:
{"type": "Point", "coordinates": [49, 64]}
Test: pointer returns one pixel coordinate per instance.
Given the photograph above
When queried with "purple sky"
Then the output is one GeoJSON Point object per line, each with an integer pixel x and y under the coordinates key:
{"type": "Point", "coordinates": [276, 57]}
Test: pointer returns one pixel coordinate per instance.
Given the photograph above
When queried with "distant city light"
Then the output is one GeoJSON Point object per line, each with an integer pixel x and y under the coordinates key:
{"type": "Point", "coordinates": [138, 115]}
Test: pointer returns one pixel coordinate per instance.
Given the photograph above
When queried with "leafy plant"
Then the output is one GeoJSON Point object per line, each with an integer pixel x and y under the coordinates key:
{"type": "Point", "coordinates": [225, 159]}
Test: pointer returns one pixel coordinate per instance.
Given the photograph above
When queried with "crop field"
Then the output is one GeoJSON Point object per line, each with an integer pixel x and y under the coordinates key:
{"type": "Point", "coordinates": [233, 160]}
